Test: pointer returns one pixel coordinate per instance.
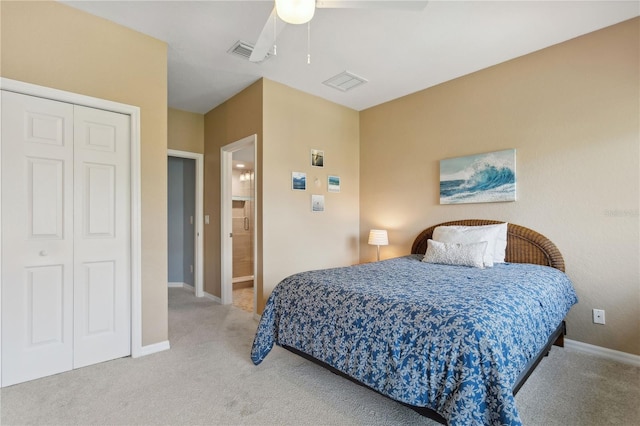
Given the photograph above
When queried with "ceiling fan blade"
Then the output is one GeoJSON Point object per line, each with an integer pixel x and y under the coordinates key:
{"type": "Point", "coordinates": [267, 37]}
{"type": "Point", "coordinates": [372, 4]}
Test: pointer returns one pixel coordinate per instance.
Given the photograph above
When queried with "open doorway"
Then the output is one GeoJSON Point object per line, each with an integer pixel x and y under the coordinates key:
{"type": "Point", "coordinates": [238, 213]}
{"type": "Point", "coordinates": [184, 211]}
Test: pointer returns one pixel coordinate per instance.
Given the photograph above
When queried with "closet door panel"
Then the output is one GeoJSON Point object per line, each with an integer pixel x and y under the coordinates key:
{"type": "Point", "coordinates": [45, 198]}
{"type": "Point", "coordinates": [100, 295]}
{"type": "Point", "coordinates": [102, 329]}
{"type": "Point", "coordinates": [37, 237]}
{"type": "Point", "coordinates": [99, 209]}
{"type": "Point", "coordinates": [44, 308]}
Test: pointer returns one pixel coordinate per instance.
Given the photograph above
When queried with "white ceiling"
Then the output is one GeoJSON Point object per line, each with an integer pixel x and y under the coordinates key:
{"type": "Point", "coordinates": [398, 52]}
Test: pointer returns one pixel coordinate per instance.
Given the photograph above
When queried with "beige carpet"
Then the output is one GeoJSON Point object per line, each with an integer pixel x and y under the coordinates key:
{"type": "Point", "coordinates": [207, 378]}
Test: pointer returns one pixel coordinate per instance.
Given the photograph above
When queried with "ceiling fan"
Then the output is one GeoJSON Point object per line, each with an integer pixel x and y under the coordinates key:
{"type": "Point", "coordinates": [301, 12]}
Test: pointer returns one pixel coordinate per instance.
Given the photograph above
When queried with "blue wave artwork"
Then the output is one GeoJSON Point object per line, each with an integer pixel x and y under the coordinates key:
{"type": "Point", "coordinates": [482, 178]}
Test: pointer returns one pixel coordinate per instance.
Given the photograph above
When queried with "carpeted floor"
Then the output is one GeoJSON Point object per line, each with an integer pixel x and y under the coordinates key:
{"type": "Point", "coordinates": [208, 378]}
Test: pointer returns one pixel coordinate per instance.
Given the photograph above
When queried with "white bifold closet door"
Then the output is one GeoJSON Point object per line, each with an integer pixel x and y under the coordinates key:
{"type": "Point", "coordinates": [66, 281]}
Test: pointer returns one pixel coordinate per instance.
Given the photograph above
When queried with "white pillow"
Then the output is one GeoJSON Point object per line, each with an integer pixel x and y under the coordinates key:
{"type": "Point", "coordinates": [468, 235]}
{"type": "Point", "coordinates": [501, 243]}
{"type": "Point", "coordinates": [456, 253]}
{"type": "Point", "coordinates": [500, 248]}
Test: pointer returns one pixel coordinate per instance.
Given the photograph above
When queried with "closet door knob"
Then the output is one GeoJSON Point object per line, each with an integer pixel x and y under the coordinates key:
{"type": "Point", "coordinates": [43, 253]}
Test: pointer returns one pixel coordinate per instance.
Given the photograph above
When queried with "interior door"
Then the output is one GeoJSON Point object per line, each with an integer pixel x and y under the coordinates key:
{"type": "Point", "coordinates": [37, 237]}
{"type": "Point", "coordinates": [102, 284]}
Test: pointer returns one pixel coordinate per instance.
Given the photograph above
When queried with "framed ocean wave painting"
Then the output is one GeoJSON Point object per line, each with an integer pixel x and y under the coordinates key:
{"type": "Point", "coordinates": [481, 178]}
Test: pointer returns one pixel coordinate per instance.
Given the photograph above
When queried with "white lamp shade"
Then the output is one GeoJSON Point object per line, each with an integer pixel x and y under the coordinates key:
{"type": "Point", "coordinates": [295, 11]}
{"type": "Point", "coordinates": [378, 237]}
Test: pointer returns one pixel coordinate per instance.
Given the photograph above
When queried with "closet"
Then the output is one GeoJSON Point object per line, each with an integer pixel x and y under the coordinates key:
{"type": "Point", "coordinates": [66, 236]}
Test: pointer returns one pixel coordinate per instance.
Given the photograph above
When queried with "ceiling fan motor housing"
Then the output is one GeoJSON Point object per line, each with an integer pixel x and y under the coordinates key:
{"type": "Point", "coordinates": [295, 11]}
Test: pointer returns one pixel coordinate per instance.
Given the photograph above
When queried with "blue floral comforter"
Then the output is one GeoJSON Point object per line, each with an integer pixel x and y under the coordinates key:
{"type": "Point", "coordinates": [450, 338]}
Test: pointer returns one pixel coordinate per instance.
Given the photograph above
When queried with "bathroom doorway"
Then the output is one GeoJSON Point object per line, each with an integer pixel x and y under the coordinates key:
{"type": "Point", "coordinates": [238, 214]}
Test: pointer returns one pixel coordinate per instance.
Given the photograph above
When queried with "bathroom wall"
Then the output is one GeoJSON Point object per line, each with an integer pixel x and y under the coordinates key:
{"type": "Point", "coordinates": [242, 222]}
{"type": "Point", "coordinates": [181, 212]}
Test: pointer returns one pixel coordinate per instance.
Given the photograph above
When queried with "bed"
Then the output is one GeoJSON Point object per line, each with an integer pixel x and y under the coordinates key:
{"type": "Point", "coordinates": [454, 343]}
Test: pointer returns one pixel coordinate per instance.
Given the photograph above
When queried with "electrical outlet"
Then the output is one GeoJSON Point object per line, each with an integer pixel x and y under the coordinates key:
{"type": "Point", "coordinates": [598, 316]}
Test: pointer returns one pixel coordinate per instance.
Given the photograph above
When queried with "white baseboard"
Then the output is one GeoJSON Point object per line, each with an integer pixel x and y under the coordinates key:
{"type": "Point", "coordinates": [152, 349]}
{"type": "Point", "coordinates": [622, 357]}
{"type": "Point", "coordinates": [212, 297]}
{"type": "Point", "coordinates": [182, 285]}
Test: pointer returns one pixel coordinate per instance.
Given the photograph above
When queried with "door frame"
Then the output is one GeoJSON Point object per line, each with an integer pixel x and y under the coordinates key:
{"type": "Point", "coordinates": [226, 249]}
{"type": "Point", "coordinates": [199, 224]}
{"type": "Point", "coordinates": [136, 236]}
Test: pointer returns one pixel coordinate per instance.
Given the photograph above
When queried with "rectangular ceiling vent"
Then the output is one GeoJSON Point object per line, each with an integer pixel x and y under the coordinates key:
{"type": "Point", "coordinates": [243, 49]}
{"type": "Point", "coordinates": [345, 81]}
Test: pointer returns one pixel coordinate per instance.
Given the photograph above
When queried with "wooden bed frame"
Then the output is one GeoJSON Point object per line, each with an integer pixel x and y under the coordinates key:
{"type": "Point", "coordinates": [524, 245]}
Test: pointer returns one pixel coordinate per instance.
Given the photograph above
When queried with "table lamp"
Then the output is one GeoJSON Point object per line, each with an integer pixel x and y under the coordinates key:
{"type": "Point", "coordinates": [378, 237]}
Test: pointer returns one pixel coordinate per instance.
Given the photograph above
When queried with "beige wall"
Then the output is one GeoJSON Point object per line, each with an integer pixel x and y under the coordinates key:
{"type": "Point", "coordinates": [53, 45]}
{"type": "Point", "coordinates": [185, 131]}
{"type": "Point", "coordinates": [295, 238]}
{"type": "Point", "coordinates": [290, 238]}
{"type": "Point", "coordinates": [572, 113]}
{"type": "Point", "coordinates": [235, 119]}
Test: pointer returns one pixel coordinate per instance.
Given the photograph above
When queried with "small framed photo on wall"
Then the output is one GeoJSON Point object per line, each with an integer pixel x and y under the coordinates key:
{"type": "Point", "coordinates": [298, 181]}
{"type": "Point", "coordinates": [317, 158]}
{"type": "Point", "coordinates": [333, 183]}
{"type": "Point", "coordinates": [317, 203]}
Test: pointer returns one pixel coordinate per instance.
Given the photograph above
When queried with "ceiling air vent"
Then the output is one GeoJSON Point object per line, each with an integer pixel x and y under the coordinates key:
{"type": "Point", "coordinates": [243, 49]}
{"type": "Point", "coordinates": [345, 81]}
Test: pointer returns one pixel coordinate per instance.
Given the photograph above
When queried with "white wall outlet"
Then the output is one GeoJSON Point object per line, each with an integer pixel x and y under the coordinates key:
{"type": "Point", "coordinates": [206, 219]}
{"type": "Point", "coordinates": [598, 316]}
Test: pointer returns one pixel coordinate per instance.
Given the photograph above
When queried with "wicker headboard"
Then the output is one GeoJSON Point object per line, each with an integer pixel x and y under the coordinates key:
{"type": "Point", "coordinates": [523, 244]}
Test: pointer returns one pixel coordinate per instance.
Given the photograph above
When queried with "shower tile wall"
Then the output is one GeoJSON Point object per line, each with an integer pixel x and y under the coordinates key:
{"type": "Point", "coordinates": [242, 222]}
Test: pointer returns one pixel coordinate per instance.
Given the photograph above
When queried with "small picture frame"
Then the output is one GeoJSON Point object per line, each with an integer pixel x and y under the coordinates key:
{"type": "Point", "coordinates": [317, 203]}
{"type": "Point", "coordinates": [298, 181]}
{"type": "Point", "coordinates": [333, 183]}
{"type": "Point", "coordinates": [317, 158]}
